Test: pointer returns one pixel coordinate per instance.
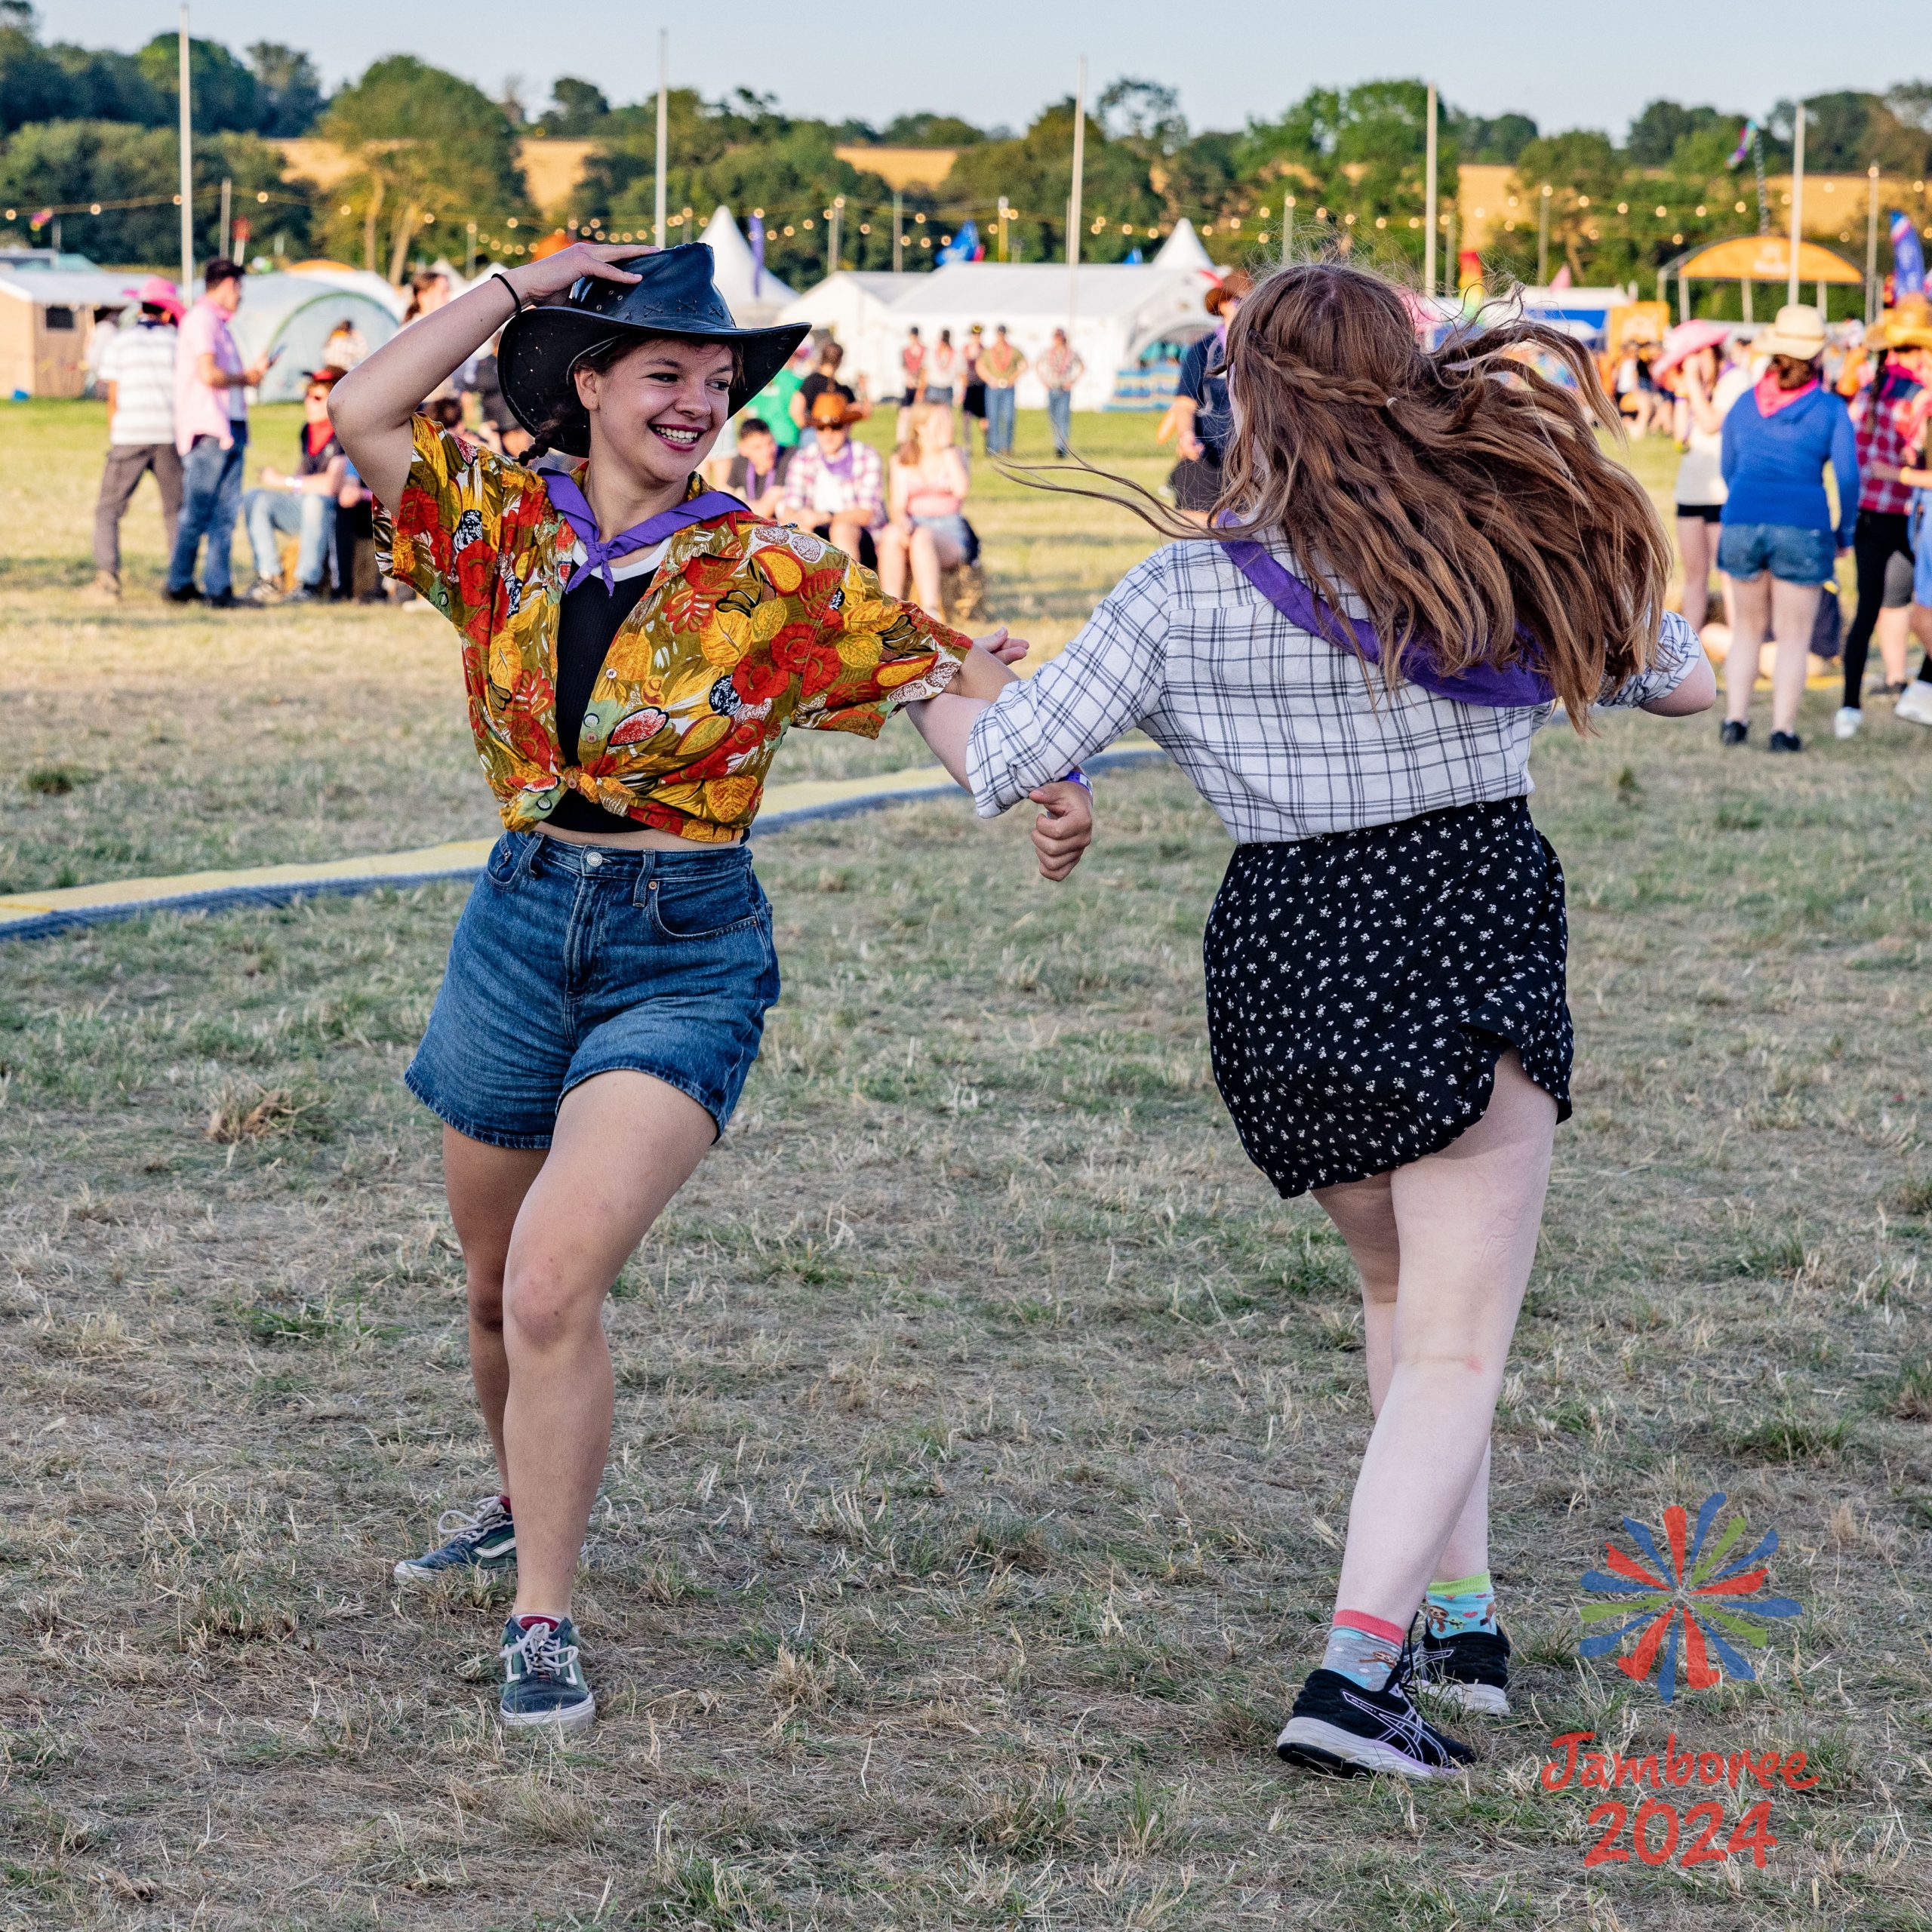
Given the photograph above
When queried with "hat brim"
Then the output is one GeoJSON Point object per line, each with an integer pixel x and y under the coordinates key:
{"type": "Point", "coordinates": [540, 346]}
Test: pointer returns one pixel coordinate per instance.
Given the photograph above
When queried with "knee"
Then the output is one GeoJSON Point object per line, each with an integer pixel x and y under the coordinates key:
{"type": "Point", "coordinates": [542, 1311]}
{"type": "Point", "coordinates": [486, 1299]}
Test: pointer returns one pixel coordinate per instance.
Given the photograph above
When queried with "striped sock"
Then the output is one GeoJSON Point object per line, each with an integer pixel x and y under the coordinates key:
{"type": "Point", "coordinates": [1460, 1605]}
{"type": "Point", "coordinates": [1362, 1648]}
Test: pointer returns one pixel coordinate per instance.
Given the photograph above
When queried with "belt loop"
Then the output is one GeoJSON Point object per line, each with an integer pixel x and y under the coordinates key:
{"type": "Point", "coordinates": [526, 859]}
{"type": "Point", "coordinates": [646, 876]}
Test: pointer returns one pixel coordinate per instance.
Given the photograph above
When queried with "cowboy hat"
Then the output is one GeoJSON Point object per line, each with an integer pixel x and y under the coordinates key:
{"type": "Point", "coordinates": [1685, 340]}
{"type": "Point", "coordinates": [1232, 286]}
{"type": "Point", "coordinates": [1908, 325]}
{"type": "Point", "coordinates": [158, 292]}
{"type": "Point", "coordinates": [830, 410]}
{"type": "Point", "coordinates": [674, 295]}
{"type": "Point", "coordinates": [1798, 332]}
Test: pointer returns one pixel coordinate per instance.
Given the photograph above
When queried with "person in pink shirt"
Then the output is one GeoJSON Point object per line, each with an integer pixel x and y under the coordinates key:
{"type": "Point", "coordinates": [211, 433]}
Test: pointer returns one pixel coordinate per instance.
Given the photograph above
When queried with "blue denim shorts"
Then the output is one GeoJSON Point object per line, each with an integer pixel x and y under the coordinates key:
{"type": "Point", "coordinates": [571, 961]}
{"type": "Point", "coordinates": [1791, 553]}
{"type": "Point", "coordinates": [1922, 547]}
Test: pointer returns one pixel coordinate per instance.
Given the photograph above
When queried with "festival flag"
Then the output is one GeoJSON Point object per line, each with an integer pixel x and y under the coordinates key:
{"type": "Point", "coordinates": [1746, 138]}
{"type": "Point", "coordinates": [1908, 257]}
{"type": "Point", "coordinates": [41, 220]}
{"type": "Point", "coordinates": [758, 253]}
{"type": "Point", "coordinates": [964, 246]}
{"type": "Point", "coordinates": [1134, 257]}
{"type": "Point", "coordinates": [1561, 279]}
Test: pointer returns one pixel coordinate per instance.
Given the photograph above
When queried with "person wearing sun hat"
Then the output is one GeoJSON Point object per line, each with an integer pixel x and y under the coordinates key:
{"type": "Point", "coordinates": [1704, 398]}
{"type": "Point", "coordinates": [634, 647]}
{"type": "Point", "coordinates": [1778, 541]}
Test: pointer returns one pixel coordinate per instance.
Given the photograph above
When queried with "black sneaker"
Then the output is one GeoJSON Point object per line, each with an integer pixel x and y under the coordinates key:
{"type": "Point", "coordinates": [1733, 731]}
{"type": "Point", "coordinates": [187, 594]}
{"type": "Point", "coordinates": [222, 600]}
{"type": "Point", "coordinates": [1338, 1727]}
{"type": "Point", "coordinates": [543, 1682]}
{"type": "Point", "coordinates": [1470, 1670]}
{"type": "Point", "coordinates": [482, 1538]}
{"type": "Point", "coordinates": [1786, 741]}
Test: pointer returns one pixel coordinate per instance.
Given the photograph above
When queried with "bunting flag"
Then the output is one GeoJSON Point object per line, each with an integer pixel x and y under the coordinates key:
{"type": "Point", "coordinates": [41, 220]}
{"type": "Point", "coordinates": [1908, 257]}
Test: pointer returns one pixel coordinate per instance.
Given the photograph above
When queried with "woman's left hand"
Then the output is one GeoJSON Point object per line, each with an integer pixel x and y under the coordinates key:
{"type": "Point", "coordinates": [1065, 828]}
{"type": "Point", "coordinates": [1007, 650]}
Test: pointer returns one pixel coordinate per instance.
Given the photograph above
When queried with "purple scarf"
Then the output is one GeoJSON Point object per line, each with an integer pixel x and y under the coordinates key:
{"type": "Point", "coordinates": [1503, 686]}
{"type": "Point", "coordinates": [569, 503]}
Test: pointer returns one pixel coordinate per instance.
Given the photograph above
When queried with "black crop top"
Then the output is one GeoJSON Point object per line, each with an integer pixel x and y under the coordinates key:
{"type": "Point", "coordinates": [591, 619]}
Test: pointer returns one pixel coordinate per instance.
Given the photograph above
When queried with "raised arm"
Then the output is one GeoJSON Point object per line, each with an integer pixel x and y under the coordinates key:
{"type": "Point", "coordinates": [372, 405]}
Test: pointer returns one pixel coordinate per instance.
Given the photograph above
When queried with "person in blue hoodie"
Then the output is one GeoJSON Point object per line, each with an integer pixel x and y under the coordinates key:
{"type": "Point", "coordinates": [1778, 542]}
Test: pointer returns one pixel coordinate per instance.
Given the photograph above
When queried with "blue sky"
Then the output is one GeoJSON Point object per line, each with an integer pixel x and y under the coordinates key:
{"type": "Point", "coordinates": [1000, 60]}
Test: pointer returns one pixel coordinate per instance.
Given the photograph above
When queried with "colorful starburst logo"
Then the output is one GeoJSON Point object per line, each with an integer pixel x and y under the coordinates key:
{"type": "Point", "coordinates": [1684, 1592]}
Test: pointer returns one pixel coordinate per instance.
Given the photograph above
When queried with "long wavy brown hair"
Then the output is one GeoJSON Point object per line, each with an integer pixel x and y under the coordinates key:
{"type": "Point", "coordinates": [1458, 492]}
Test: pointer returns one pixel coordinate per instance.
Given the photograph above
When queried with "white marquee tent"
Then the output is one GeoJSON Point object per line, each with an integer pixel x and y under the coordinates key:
{"type": "Point", "coordinates": [753, 308]}
{"type": "Point", "coordinates": [1113, 314]}
{"type": "Point", "coordinates": [1183, 250]}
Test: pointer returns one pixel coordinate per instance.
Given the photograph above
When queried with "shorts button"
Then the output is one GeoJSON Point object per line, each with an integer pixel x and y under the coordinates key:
{"type": "Point", "coordinates": [593, 859]}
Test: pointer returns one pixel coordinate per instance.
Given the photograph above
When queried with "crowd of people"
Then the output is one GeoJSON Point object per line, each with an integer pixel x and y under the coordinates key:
{"type": "Point", "coordinates": [1761, 419]}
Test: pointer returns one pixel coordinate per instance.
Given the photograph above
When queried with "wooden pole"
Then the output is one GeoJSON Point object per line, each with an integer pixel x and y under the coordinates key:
{"type": "Point", "coordinates": [1073, 204]}
{"type": "Point", "coordinates": [1428, 199]}
{"type": "Point", "coordinates": [1542, 237]}
{"type": "Point", "coordinates": [1871, 244]}
{"type": "Point", "coordinates": [664, 130]}
{"type": "Point", "coordinates": [227, 202]}
{"type": "Point", "coordinates": [187, 166]}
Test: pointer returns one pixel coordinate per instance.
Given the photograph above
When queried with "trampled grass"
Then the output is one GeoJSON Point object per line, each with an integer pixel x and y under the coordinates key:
{"type": "Point", "coordinates": [985, 1427]}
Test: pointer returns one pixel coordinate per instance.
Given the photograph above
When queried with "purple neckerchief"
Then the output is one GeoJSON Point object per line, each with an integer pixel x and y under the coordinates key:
{"type": "Point", "coordinates": [569, 503]}
{"type": "Point", "coordinates": [840, 465]}
{"type": "Point", "coordinates": [1504, 686]}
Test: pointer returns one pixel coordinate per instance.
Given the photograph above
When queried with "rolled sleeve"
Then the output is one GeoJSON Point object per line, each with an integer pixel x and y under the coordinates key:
{"type": "Point", "coordinates": [1678, 650]}
{"type": "Point", "coordinates": [875, 654]}
{"type": "Point", "coordinates": [1105, 682]}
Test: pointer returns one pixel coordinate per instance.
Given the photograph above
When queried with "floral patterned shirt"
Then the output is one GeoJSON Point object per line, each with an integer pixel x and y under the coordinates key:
{"type": "Point", "coordinates": [749, 627]}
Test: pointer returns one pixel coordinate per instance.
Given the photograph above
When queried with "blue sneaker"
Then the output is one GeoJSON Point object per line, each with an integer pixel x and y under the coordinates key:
{"type": "Point", "coordinates": [482, 1538]}
{"type": "Point", "coordinates": [543, 1682]}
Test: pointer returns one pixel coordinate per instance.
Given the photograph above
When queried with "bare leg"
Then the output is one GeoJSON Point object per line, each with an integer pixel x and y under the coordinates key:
{"type": "Point", "coordinates": [486, 1186]}
{"type": "Point", "coordinates": [1364, 1212]}
{"type": "Point", "coordinates": [1750, 623]}
{"type": "Point", "coordinates": [1697, 545]}
{"type": "Point", "coordinates": [892, 542]}
{"type": "Point", "coordinates": [624, 1144]}
{"type": "Point", "coordinates": [1794, 611]}
{"type": "Point", "coordinates": [1467, 1220]}
{"type": "Point", "coordinates": [846, 531]}
{"type": "Point", "coordinates": [1893, 634]}
{"type": "Point", "coordinates": [926, 574]}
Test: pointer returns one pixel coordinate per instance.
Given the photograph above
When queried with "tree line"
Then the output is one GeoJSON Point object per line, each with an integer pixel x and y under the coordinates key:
{"type": "Point", "coordinates": [433, 157]}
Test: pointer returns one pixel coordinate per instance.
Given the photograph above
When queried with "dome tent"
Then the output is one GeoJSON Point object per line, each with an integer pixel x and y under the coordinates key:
{"type": "Point", "coordinates": [733, 274]}
{"type": "Point", "coordinates": [1183, 250]}
{"type": "Point", "coordinates": [292, 316]}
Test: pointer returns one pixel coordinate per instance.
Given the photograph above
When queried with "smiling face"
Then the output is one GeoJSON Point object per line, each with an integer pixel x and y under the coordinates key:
{"type": "Point", "coordinates": [658, 408]}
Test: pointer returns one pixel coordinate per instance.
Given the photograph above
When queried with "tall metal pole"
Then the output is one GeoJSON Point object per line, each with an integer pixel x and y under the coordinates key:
{"type": "Point", "coordinates": [899, 238]}
{"type": "Point", "coordinates": [187, 165]}
{"type": "Point", "coordinates": [1871, 244]}
{"type": "Point", "coordinates": [1073, 203]}
{"type": "Point", "coordinates": [227, 202]}
{"type": "Point", "coordinates": [1429, 196]}
{"type": "Point", "coordinates": [1543, 238]}
{"type": "Point", "coordinates": [1797, 199]}
{"type": "Point", "coordinates": [663, 129]}
{"type": "Point", "coordinates": [838, 222]}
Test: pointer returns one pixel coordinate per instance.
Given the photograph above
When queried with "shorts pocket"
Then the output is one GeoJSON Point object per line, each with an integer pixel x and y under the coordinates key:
{"type": "Point", "coordinates": [501, 867]}
{"type": "Point", "coordinates": [693, 901]}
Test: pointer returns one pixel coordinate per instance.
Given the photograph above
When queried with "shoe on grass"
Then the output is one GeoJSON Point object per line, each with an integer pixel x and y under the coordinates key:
{"type": "Point", "coordinates": [1845, 723]}
{"type": "Point", "coordinates": [1338, 1727]}
{"type": "Point", "coordinates": [1914, 704]}
{"type": "Point", "coordinates": [1786, 741]}
{"type": "Point", "coordinates": [1733, 731]}
{"type": "Point", "coordinates": [185, 593]}
{"type": "Point", "coordinates": [480, 1539]}
{"type": "Point", "coordinates": [222, 600]}
{"type": "Point", "coordinates": [106, 588]}
{"type": "Point", "coordinates": [262, 590]}
{"type": "Point", "coordinates": [1470, 1670]}
{"type": "Point", "coordinates": [543, 1680]}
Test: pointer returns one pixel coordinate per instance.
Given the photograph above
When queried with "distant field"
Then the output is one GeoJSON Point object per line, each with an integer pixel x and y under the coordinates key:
{"type": "Point", "coordinates": [985, 1427]}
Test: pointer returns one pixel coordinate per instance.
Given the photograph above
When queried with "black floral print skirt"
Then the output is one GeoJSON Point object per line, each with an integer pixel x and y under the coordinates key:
{"type": "Point", "coordinates": [1362, 985]}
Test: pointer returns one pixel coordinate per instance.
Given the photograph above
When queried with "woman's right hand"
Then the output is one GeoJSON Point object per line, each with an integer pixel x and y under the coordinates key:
{"type": "Point", "coordinates": [537, 281]}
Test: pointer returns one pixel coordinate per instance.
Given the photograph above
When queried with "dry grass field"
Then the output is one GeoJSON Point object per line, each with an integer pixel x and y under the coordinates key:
{"type": "Point", "coordinates": [985, 1426]}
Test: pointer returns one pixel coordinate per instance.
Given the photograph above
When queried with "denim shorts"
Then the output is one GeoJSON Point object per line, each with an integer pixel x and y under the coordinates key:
{"type": "Point", "coordinates": [1791, 553]}
{"type": "Point", "coordinates": [571, 961]}
{"type": "Point", "coordinates": [1922, 547]}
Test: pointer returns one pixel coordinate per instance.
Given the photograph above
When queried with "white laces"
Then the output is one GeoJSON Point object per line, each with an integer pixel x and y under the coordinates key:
{"type": "Point", "coordinates": [485, 1514]}
{"type": "Point", "coordinates": [543, 1652]}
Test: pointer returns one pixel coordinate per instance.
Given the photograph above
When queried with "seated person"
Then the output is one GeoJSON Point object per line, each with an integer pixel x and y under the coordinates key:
{"type": "Point", "coordinates": [928, 532]}
{"type": "Point", "coordinates": [824, 381]}
{"type": "Point", "coordinates": [836, 486]}
{"type": "Point", "coordinates": [758, 471]}
{"type": "Point", "coordinates": [303, 504]}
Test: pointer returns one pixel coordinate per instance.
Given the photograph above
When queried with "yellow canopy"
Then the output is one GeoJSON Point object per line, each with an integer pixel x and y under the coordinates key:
{"type": "Point", "coordinates": [1766, 258]}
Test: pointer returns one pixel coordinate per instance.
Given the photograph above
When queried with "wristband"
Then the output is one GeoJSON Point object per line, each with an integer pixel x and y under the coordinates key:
{"type": "Point", "coordinates": [1077, 776]}
{"type": "Point", "coordinates": [498, 275]}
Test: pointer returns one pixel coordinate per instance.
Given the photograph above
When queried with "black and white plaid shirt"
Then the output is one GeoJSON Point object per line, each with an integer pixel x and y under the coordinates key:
{"type": "Point", "coordinates": [1284, 734]}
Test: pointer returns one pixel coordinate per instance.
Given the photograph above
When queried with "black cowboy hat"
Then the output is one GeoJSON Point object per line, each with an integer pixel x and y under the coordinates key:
{"type": "Point", "coordinates": [674, 295]}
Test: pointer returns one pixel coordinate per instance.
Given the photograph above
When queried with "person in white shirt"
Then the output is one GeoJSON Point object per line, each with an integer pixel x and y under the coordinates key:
{"type": "Point", "coordinates": [138, 373]}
